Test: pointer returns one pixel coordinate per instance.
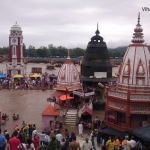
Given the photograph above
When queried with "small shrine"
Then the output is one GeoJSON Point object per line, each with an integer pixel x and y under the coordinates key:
{"type": "Point", "coordinates": [128, 102]}
{"type": "Point", "coordinates": [16, 64]}
{"type": "Point", "coordinates": [49, 117]}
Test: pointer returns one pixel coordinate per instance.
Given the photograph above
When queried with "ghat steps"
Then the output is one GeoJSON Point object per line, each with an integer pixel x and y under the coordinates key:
{"type": "Point", "coordinates": [71, 117]}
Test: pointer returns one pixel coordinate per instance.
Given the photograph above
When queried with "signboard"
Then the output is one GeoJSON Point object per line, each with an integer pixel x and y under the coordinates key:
{"type": "Point", "coordinates": [100, 74]}
{"type": "Point", "coordinates": [140, 109]}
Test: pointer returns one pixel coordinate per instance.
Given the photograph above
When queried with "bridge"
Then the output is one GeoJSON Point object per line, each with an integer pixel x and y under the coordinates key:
{"type": "Point", "coordinates": [2, 59]}
{"type": "Point", "coordinates": [51, 60]}
{"type": "Point", "coordinates": [57, 60]}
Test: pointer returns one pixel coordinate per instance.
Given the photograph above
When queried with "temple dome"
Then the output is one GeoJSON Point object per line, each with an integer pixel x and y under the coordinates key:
{"type": "Point", "coordinates": [68, 76]}
{"type": "Point", "coordinates": [15, 27]}
{"type": "Point", "coordinates": [134, 71]}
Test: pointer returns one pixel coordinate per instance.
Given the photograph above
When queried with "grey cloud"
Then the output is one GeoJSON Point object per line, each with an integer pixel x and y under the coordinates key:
{"type": "Point", "coordinates": [72, 23]}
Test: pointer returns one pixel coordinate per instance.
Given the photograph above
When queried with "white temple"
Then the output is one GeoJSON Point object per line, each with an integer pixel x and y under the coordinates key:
{"type": "Point", "coordinates": [68, 77]}
{"type": "Point", "coordinates": [134, 71]}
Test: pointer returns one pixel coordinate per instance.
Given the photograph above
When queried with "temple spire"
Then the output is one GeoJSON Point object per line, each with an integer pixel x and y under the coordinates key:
{"type": "Point", "coordinates": [68, 57]}
{"type": "Point", "coordinates": [97, 31]}
{"type": "Point", "coordinates": [138, 35]}
{"type": "Point", "coordinates": [139, 18]}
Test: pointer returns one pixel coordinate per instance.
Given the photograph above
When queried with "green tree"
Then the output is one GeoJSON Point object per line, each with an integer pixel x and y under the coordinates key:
{"type": "Point", "coordinates": [43, 52]}
{"type": "Point", "coordinates": [78, 52]}
{"type": "Point", "coordinates": [32, 51]}
{"type": "Point", "coordinates": [62, 51]}
{"type": "Point", "coordinates": [4, 51]}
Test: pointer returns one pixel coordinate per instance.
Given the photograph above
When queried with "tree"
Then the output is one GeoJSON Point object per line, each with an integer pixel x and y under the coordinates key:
{"type": "Point", "coordinates": [78, 52]}
{"type": "Point", "coordinates": [62, 51]}
{"type": "Point", "coordinates": [4, 51]}
{"type": "Point", "coordinates": [43, 52]}
{"type": "Point", "coordinates": [32, 51]}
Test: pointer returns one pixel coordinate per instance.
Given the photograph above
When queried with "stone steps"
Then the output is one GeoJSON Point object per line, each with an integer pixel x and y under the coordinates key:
{"type": "Point", "coordinates": [71, 117]}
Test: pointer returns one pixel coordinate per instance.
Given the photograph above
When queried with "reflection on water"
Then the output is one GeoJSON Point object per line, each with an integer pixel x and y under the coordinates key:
{"type": "Point", "coordinates": [29, 104]}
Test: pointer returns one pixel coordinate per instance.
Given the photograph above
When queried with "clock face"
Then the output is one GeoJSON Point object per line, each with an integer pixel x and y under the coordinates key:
{"type": "Point", "coordinates": [14, 40]}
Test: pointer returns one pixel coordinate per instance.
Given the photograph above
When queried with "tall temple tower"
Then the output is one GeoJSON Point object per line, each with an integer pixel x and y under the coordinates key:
{"type": "Point", "coordinates": [96, 67]}
{"type": "Point", "coordinates": [15, 51]}
{"type": "Point", "coordinates": [128, 103]}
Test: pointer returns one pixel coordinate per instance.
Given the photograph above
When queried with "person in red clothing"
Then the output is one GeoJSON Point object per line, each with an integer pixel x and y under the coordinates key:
{"type": "Point", "coordinates": [36, 142]}
{"type": "Point", "coordinates": [14, 143]}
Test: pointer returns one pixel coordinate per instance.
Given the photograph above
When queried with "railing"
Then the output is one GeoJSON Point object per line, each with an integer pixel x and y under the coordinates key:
{"type": "Point", "coordinates": [129, 96]}
{"type": "Point", "coordinates": [144, 96]}
{"type": "Point", "coordinates": [120, 128]}
{"type": "Point", "coordinates": [117, 94]}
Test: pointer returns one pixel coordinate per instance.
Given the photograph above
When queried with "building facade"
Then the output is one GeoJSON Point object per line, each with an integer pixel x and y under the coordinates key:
{"type": "Point", "coordinates": [128, 102]}
{"type": "Point", "coordinates": [16, 65]}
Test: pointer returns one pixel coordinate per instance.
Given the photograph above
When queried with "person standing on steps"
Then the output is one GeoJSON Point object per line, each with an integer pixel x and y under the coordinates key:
{"type": "Point", "coordinates": [80, 128]}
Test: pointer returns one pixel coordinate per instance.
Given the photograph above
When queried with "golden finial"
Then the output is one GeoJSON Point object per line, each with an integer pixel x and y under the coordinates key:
{"type": "Point", "coordinates": [68, 57]}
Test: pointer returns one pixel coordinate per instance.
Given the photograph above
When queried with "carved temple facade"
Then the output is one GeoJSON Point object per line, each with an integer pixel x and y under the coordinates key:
{"type": "Point", "coordinates": [128, 102]}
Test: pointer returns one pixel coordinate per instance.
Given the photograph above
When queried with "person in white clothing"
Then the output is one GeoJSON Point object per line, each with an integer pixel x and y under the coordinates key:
{"type": "Point", "coordinates": [87, 145]}
{"type": "Point", "coordinates": [47, 138]}
{"type": "Point", "coordinates": [132, 143]}
{"type": "Point", "coordinates": [59, 136]}
{"type": "Point", "coordinates": [28, 146]}
{"type": "Point", "coordinates": [41, 137]}
{"type": "Point", "coordinates": [33, 133]}
{"type": "Point", "coordinates": [80, 128]}
{"type": "Point", "coordinates": [126, 144]}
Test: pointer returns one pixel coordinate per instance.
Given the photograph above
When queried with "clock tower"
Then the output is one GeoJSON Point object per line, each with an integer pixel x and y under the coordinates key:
{"type": "Point", "coordinates": [16, 65]}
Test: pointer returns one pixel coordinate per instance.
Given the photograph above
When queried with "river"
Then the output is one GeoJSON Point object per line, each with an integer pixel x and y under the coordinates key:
{"type": "Point", "coordinates": [29, 104]}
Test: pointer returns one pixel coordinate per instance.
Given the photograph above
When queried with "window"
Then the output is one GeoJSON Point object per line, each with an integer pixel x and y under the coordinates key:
{"type": "Point", "coordinates": [14, 50]}
{"type": "Point", "coordinates": [21, 51]}
{"type": "Point", "coordinates": [123, 117]}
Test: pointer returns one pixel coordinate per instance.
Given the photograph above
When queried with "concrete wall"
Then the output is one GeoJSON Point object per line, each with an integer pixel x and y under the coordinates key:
{"type": "Point", "coordinates": [46, 121]}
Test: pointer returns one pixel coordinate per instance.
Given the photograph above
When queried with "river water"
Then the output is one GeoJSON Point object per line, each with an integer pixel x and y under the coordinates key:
{"type": "Point", "coordinates": [29, 104]}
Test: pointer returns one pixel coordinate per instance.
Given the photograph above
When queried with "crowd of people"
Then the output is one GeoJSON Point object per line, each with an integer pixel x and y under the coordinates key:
{"type": "Point", "coordinates": [110, 142]}
{"type": "Point", "coordinates": [28, 138]}
{"type": "Point", "coordinates": [43, 82]}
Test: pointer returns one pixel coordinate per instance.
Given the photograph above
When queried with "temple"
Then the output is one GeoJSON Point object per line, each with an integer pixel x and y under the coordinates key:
{"type": "Point", "coordinates": [68, 77]}
{"type": "Point", "coordinates": [128, 102]}
{"type": "Point", "coordinates": [96, 66]}
{"type": "Point", "coordinates": [16, 65]}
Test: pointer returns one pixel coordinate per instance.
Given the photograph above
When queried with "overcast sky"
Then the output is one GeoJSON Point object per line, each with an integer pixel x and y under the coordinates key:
{"type": "Point", "coordinates": [71, 23]}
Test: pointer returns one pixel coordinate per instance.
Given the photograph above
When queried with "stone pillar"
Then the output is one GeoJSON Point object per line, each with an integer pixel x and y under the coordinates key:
{"type": "Point", "coordinates": [106, 105]}
{"type": "Point", "coordinates": [128, 125]}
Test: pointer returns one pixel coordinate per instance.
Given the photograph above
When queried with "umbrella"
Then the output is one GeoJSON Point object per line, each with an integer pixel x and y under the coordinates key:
{"type": "Point", "coordinates": [2, 76]}
{"type": "Point", "coordinates": [114, 75]}
{"type": "Point", "coordinates": [64, 97]}
{"type": "Point", "coordinates": [18, 76]}
{"type": "Point", "coordinates": [35, 75]}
